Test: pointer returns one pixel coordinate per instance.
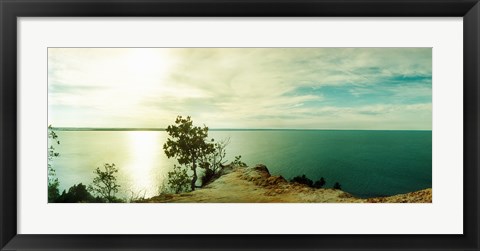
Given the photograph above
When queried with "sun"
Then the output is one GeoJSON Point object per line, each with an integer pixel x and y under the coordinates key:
{"type": "Point", "coordinates": [147, 62]}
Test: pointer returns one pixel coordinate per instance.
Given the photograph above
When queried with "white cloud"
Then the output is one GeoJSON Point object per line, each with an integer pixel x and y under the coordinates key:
{"type": "Point", "coordinates": [229, 87]}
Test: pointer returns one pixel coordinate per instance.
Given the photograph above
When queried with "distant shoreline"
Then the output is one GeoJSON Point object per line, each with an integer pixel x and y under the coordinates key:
{"type": "Point", "coordinates": [229, 129]}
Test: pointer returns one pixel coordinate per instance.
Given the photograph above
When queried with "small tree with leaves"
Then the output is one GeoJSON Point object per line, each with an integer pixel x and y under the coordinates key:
{"type": "Point", "coordinates": [105, 183]}
{"type": "Point", "coordinates": [178, 179]}
{"type": "Point", "coordinates": [188, 144]}
{"type": "Point", "coordinates": [53, 183]}
{"type": "Point", "coordinates": [214, 163]}
{"type": "Point", "coordinates": [238, 162]}
{"type": "Point", "coordinates": [218, 156]}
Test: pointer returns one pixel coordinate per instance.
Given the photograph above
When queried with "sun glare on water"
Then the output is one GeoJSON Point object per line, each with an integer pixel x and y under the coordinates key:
{"type": "Point", "coordinates": [144, 149]}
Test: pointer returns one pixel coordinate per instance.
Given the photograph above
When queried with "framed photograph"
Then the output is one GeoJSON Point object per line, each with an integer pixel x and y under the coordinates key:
{"type": "Point", "coordinates": [240, 125]}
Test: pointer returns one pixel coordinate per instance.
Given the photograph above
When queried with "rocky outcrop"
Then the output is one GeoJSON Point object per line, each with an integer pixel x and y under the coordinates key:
{"type": "Point", "coordinates": [262, 169]}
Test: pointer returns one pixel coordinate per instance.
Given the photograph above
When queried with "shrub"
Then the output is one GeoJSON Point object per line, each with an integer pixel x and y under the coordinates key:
{"type": "Point", "coordinates": [306, 181]}
{"type": "Point", "coordinates": [53, 188]}
{"type": "Point", "coordinates": [178, 180]}
{"type": "Point", "coordinates": [319, 183]}
{"type": "Point", "coordinates": [77, 193]}
{"type": "Point", "coordinates": [238, 162]}
{"type": "Point", "coordinates": [105, 183]}
{"type": "Point", "coordinates": [303, 180]}
{"type": "Point", "coordinates": [337, 186]}
{"type": "Point", "coordinates": [214, 163]}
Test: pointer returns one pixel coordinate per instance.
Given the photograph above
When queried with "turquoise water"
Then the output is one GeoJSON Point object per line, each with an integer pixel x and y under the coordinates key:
{"type": "Point", "coordinates": [365, 163]}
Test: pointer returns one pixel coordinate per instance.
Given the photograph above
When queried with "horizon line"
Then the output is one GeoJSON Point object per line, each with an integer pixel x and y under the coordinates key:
{"type": "Point", "coordinates": [223, 129]}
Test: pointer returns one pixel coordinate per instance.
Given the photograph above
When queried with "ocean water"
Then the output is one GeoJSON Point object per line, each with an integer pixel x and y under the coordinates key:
{"type": "Point", "coordinates": [365, 163]}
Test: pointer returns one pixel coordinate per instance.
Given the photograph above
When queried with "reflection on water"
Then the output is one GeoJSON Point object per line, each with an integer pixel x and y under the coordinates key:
{"type": "Point", "coordinates": [143, 147]}
{"type": "Point", "coordinates": [138, 155]}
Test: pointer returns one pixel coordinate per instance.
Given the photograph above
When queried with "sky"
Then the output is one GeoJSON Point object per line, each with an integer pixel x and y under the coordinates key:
{"type": "Point", "coordinates": [269, 88]}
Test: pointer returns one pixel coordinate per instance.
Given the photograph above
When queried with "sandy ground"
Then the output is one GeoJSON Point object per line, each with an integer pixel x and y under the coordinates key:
{"type": "Point", "coordinates": [256, 185]}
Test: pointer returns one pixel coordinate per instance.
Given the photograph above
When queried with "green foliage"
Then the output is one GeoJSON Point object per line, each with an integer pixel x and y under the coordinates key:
{"type": "Point", "coordinates": [217, 158]}
{"type": "Point", "coordinates": [238, 162]}
{"type": "Point", "coordinates": [52, 136]}
{"type": "Point", "coordinates": [78, 193]}
{"type": "Point", "coordinates": [303, 180]}
{"type": "Point", "coordinates": [178, 180]}
{"type": "Point", "coordinates": [319, 183]}
{"type": "Point", "coordinates": [306, 181]}
{"type": "Point", "coordinates": [105, 183]}
{"type": "Point", "coordinates": [53, 183]}
{"type": "Point", "coordinates": [214, 162]}
{"type": "Point", "coordinates": [188, 144]}
{"type": "Point", "coordinates": [337, 186]}
{"type": "Point", "coordinates": [53, 190]}
{"type": "Point", "coordinates": [208, 176]}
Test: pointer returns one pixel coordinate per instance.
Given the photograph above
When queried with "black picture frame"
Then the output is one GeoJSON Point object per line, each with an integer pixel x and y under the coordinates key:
{"type": "Point", "coordinates": [11, 9]}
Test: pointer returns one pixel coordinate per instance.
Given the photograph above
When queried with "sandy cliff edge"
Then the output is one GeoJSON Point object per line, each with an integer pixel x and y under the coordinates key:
{"type": "Point", "coordinates": [256, 185]}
